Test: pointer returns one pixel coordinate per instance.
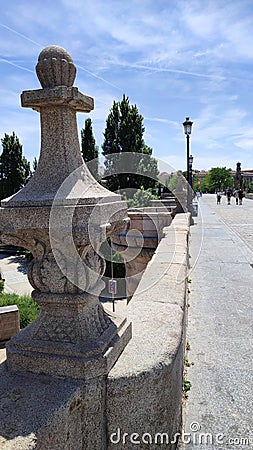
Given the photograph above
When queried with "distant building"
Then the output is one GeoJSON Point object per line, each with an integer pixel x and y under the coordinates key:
{"type": "Point", "coordinates": [247, 175]}
{"type": "Point", "coordinates": [200, 174]}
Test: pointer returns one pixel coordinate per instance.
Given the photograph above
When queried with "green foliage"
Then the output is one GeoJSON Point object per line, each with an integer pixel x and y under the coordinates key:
{"type": "Point", "coordinates": [250, 188]}
{"type": "Point", "coordinates": [172, 183]}
{"type": "Point", "coordinates": [124, 134]}
{"type": "Point", "coordinates": [218, 179]}
{"type": "Point", "coordinates": [186, 387]}
{"type": "Point", "coordinates": [196, 186]}
{"type": "Point", "coordinates": [35, 164]}
{"type": "Point", "coordinates": [28, 309]}
{"type": "Point", "coordinates": [14, 168]}
{"type": "Point", "coordinates": [112, 258]}
{"type": "Point", "coordinates": [141, 198]}
{"type": "Point", "coordinates": [1, 286]}
{"type": "Point", "coordinates": [89, 148]}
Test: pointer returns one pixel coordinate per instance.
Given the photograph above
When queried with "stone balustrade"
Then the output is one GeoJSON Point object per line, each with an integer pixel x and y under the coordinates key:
{"type": "Point", "coordinates": [144, 390]}
{"type": "Point", "coordinates": [137, 246]}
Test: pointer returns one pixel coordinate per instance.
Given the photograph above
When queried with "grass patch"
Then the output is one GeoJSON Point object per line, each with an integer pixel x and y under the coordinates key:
{"type": "Point", "coordinates": [1, 286]}
{"type": "Point", "coordinates": [28, 309]}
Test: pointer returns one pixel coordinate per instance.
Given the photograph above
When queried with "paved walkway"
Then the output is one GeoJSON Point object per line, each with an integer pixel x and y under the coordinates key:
{"type": "Point", "coordinates": [220, 327]}
{"type": "Point", "coordinates": [14, 270]}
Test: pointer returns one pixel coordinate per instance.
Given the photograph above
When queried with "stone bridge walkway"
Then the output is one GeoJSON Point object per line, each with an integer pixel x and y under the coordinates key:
{"type": "Point", "coordinates": [220, 324]}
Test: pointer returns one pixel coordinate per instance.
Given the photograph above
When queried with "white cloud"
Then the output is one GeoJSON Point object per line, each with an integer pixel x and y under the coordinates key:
{"type": "Point", "coordinates": [171, 58]}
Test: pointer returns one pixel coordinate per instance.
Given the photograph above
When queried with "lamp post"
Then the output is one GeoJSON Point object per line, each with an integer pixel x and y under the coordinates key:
{"type": "Point", "coordinates": [187, 130]}
{"type": "Point", "coordinates": [190, 170]}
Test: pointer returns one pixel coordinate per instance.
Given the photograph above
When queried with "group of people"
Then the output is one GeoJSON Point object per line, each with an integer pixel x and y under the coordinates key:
{"type": "Point", "coordinates": [238, 195]}
{"type": "Point", "coordinates": [197, 195]}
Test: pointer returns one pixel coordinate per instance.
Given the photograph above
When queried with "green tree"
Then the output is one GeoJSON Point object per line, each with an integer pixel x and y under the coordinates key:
{"type": "Point", "coordinates": [141, 198]}
{"type": "Point", "coordinates": [196, 185]}
{"type": "Point", "coordinates": [250, 187]}
{"type": "Point", "coordinates": [35, 164]}
{"type": "Point", "coordinates": [123, 135]}
{"type": "Point", "coordinates": [172, 183]}
{"type": "Point", "coordinates": [218, 179]}
{"type": "Point", "coordinates": [89, 148]}
{"type": "Point", "coordinates": [14, 168]}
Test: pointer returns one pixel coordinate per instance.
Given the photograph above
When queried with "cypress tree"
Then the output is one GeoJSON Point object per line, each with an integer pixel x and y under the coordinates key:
{"type": "Point", "coordinates": [14, 168]}
{"type": "Point", "coordinates": [89, 148]}
{"type": "Point", "coordinates": [124, 134]}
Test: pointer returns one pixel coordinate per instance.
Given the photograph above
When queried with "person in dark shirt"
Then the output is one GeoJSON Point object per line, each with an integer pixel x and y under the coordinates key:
{"type": "Point", "coordinates": [240, 196]}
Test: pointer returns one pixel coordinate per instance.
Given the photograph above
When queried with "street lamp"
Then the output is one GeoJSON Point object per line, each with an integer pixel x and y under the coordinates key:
{"type": "Point", "coordinates": [190, 170]}
{"type": "Point", "coordinates": [187, 130]}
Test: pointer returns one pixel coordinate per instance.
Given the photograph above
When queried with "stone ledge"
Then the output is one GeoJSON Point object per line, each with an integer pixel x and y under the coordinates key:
{"type": "Point", "coordinates": [9, 322]}
{"type": "Point", "coordinates": [250, 196]}
{"type": "Point", "coordinates": [144, 390]}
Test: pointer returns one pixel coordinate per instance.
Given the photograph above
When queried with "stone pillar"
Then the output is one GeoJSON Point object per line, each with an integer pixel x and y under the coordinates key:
{"type": "Point", "coordinates": [238, 180]}
{"type": "Point", "coordinates": [62, 216]}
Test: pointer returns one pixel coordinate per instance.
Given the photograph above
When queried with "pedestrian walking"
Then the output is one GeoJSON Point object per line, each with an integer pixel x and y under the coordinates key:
{"type": "Point", "coordinates": [236, 195]}
{"type": "Point", "coordinates": [240, 196]}
{"type": "Point", "coordinates": [218, 196]}
{"type": "Point", "coordinates": [228, 196]}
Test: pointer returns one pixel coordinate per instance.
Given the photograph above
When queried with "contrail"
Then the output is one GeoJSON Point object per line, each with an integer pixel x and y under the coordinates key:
{"type": "Point", "coordinates": [20, 34]}
{"type": "Point", "coordinates": [160, 69]}
{"type": "Point", "coordinates": [100, 78]}
{"type": "Point", "coordinates": [41, 46]}
{"type": "Point", "coordinates": [15, 65]}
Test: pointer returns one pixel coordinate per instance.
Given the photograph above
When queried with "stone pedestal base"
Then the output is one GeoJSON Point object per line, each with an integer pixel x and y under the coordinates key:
{"type": "Point", "coordinates": [73, 337]}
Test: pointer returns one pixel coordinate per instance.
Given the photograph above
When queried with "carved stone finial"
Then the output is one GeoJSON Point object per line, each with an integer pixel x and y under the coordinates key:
{"type": "Point", "coordinates": [62, 215]}
{"type": "Point", "coordinates": [55, 67]}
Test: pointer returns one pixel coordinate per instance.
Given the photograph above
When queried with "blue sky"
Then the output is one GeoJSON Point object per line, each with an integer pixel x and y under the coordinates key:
{"type": "Point", "coordinates": [171, 58]}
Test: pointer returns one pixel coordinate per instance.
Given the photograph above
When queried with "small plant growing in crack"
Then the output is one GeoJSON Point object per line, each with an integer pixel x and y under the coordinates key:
{"type": "Point", "coordinates": [188, 347]}
{"type": "Point", "coordinates": [186, 387]}
{"type": "Point", "coordinates": [187, 363]}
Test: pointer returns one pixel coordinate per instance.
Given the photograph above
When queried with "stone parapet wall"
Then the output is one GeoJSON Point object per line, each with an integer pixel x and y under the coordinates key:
{"type": "Point", "coordinates": [144, 390]}
{"type": "Point", "coordinates": [138, 244]}
{"type": "Point", "coordinates": [9, 322]}
{"type": "Point", "coordinates": [250, 196]}
{"type": "Point", "coordinates": [65, 384]}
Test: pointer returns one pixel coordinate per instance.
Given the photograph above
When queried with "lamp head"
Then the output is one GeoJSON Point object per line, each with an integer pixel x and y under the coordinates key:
{"type": "Point", "coordinates": [187, 126]}
{"type": "Point", "coordinates": [191, 159]}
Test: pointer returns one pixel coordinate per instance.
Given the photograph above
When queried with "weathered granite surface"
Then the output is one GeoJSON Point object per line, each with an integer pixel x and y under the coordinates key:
{"type": "Point", "coordinates": [9, 322]}
{"type": "Point", "coordinates": [49, 413]}
{"type": "Point", "coordinates": [54, 389]}
{"type": "Point", "coordinates": [62, 216]}
{"type": "Point", "coordinates": [137, 246]}
{"type": "Point", "coordinates": [144, 391]}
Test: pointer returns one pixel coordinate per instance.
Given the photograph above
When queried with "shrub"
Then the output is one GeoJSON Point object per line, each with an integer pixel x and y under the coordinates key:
{"type": "Point", "coordinates": [28, 309]}
{"type": "Point", "coordinates": [1, 286]}
{"type": "Point", "coordinates": [141, 198]}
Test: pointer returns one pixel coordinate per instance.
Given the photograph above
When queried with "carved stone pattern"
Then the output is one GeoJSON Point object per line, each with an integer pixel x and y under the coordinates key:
{"type": "Point", "coordinates": [55, 67]}
{"type": "Point", "coordinates": [56, 329]}
{"type": "Point", "coordinates": [97, 322]}
{"type": "Point", "coordinates": [94, 261]}
{"type": "Point", "coordinates": [46, 275]}
{"type": "Point", "coordinates": [19, 241]}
